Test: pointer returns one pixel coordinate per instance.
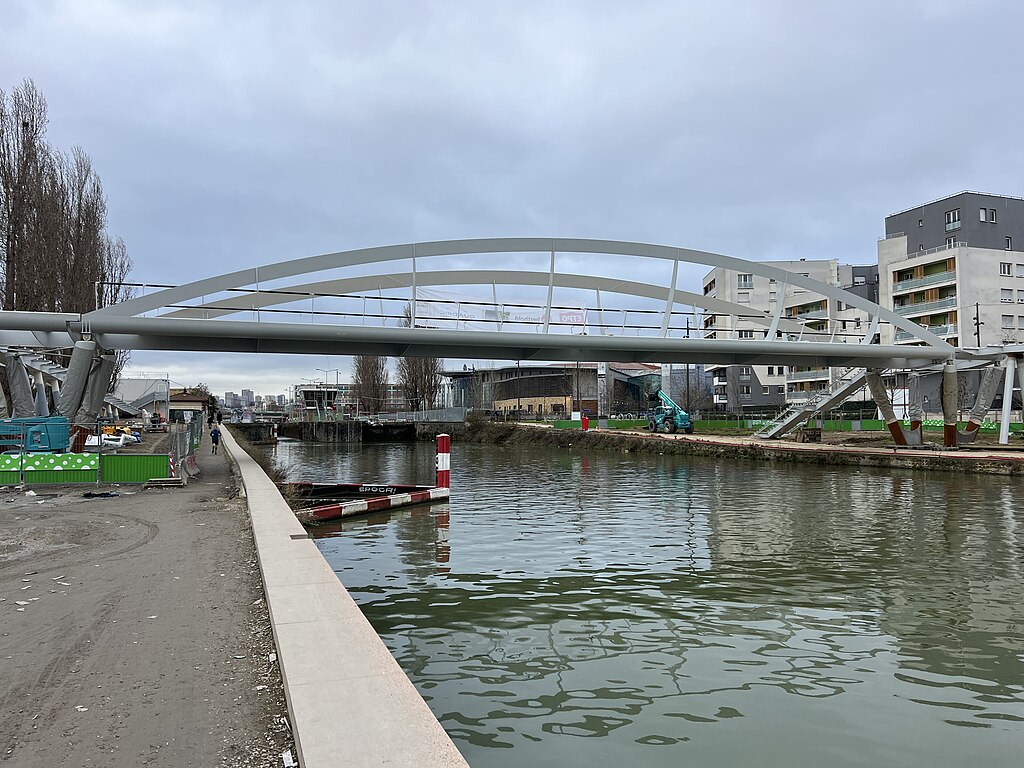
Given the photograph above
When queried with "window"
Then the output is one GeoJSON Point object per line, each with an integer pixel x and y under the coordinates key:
{"type": "Point", "coordinates": [1020, 297]}
{"type": "Point", "coordinates": [950, 242]}
{"type": "Point", "coordinates": [772, 296]}
{"type": "Point", "coordinates": [1009, 243]}
{"type": "Point", "coordinates": [1006, 295]}
{"type": "Point", "coordinates": [782, 370]}
{"type": "Point", "coordinates": [992, 215]}
{"type": "Point", "coordinates": [920, 247]}
{"type": "Point", "coordinates": [744, 281]}
{"type": "Point", "coordinates": [920, 222]}
{"type": "Point", "coordinates": [1004, 268]}
{"type": "Point", "coordinates": [1020, 323]}
{"type": "Point", "coordinates": [766, 390]}
{"type": "Point", "coordinates": [982, 214]}
{"type": "Point", "coordinates": [771, 370]}
{"type": "Point", "coordinates": [743, 297]}
{"type": "Point", "coordinates": [744, 372]}
{"type": "Point", "coordinates": [952, 220]}
{"type": "Point", "coordinates": [1007, 321]}
{"type": "Point", "coordinates": [746, 334]}
{"type": "Point", "coordinates": [860, 280]}
{"type": "Point", "coordinates": [780, 390]}
{"type": "Point", "coordinates": [1020, 270]}
{"type": "Point", "coordinates": [744, 390]}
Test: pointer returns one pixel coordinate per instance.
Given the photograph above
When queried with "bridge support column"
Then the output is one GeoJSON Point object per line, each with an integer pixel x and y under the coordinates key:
{"type": "Point", "coordinates": [76, 379]}
{"type": "Point", "coordinates": [96, 390]}
{"type": "Point", "coordinates": [915, 435]}
{"type": "Point", "coordinates": [983, 401]}
{"type": "Point", "coordinates": [602, 395]}
{"type": "Point", "coordinates": [42, 407]}
{"type": "Point", "coordinates": [22, 402]}
{"type": "Point", "coordinates": [949, 392]}
{"type": "Point", "coordinates": [1004, 422]}
{"type": "Point", "coordinates": [878, 393]}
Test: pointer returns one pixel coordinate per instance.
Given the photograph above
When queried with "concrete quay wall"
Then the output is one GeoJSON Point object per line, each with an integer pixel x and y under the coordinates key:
{"type": "Point", "coordinates": [349, 701]}
{"type": "Point", "coordinates": [985, 461]}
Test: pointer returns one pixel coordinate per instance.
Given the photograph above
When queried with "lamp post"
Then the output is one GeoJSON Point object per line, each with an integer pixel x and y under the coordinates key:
{"type": "Point", "coordinates": [325, 371]}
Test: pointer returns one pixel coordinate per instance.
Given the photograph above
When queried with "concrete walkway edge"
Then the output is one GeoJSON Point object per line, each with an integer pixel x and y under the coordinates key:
{"type": "Point", "coordinates": [349, 701]}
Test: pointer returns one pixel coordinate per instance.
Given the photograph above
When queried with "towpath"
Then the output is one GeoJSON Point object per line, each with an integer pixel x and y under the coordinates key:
{"type": "Point", "coordinates": [133, 629]}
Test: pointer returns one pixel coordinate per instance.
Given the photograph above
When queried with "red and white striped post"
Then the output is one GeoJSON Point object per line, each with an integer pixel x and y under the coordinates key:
{"type": "Point", "coordinates": [444, 461]}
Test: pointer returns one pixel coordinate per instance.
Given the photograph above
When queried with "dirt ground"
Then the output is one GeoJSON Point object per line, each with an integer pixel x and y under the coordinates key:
{"type": "Point", "coordinates": [133, 629]}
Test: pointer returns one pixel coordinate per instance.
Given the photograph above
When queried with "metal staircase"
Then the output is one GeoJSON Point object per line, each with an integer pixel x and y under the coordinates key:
{"type": "Point", "coordinates": [851, 380]}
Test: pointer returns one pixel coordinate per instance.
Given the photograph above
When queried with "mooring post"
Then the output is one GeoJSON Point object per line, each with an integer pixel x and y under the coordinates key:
{"type": "Point", "coordinates": [444, 461]}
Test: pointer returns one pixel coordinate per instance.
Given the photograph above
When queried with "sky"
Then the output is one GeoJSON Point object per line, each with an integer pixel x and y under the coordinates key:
{"type": "Point", "coordinates": [233, 134]}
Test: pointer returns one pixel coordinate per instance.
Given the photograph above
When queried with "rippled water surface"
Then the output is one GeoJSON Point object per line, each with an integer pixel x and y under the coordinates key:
{"type": "Point", "coordinates": [572, 609]}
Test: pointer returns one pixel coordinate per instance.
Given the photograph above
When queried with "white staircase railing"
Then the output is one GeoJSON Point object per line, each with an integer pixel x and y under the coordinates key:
{"type": "Point", "coordinates": [849, 381]}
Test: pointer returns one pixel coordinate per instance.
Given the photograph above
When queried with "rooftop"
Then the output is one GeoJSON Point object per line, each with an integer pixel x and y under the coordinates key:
{"type": "Point", "coordinates": [948, 197]}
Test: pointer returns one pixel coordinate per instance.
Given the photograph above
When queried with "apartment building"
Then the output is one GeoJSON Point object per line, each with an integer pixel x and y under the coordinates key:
{"type": "Point", "coordinates": [956, 266]}
{"type": "Point", "coordinates": [770, 386]}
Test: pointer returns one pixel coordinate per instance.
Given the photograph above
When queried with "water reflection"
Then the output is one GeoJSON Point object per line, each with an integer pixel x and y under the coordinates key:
{"type": "Point", "coordinates": [658, 609]}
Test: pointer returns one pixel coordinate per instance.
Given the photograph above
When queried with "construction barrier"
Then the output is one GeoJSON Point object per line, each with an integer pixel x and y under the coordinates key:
{"type": "Point", "coordinates": [62, 468]}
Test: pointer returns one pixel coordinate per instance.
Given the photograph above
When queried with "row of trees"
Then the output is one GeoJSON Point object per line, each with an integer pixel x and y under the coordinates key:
{"type": "Point", "coordinates": [56, 254]}
{"type": "Point", "coordinates": [419, 379]}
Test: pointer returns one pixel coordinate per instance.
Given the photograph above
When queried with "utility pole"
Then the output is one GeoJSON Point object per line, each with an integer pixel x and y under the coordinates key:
{"type": "Point", "coordinates": [977, 323]}
{"type": "Point", "coordinates": [687, 370]}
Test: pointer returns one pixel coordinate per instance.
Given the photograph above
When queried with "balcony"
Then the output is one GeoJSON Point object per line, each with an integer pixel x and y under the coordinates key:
{"type": "Point", "coordinates": [952, 226]}
{"type": "Point", "coordinates": [942, 331]}
{"type": "Point", "coordinates": [812, 314]}
{"type": "Point", "coordinates": [926, 307]}
{"type": "Point", "coordinates": [807, 375]}
{"type": "Point", "coordinates": [922, 282]}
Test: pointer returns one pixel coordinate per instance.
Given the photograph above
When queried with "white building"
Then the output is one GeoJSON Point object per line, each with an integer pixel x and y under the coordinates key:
{"type": "Point", "coordinates": [955, 266]}
{"type": "Point", "coordinates": [769, 386]}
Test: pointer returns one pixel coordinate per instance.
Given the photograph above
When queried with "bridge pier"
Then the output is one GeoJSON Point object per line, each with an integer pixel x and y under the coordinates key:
{"type": "Point", "coordinates": [22, 402]}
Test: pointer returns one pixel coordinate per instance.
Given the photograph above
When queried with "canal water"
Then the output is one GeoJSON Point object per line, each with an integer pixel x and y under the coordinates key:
{"type": "Point", "coordinates": [579, 609]}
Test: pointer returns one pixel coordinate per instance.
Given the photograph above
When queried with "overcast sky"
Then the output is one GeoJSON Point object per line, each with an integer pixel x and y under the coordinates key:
{"type": "Point", "coordinates": [229, 135]}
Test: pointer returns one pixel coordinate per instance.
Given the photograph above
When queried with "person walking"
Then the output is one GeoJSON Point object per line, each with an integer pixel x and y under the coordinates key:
{"type": "Point", "coordinates": [215, 438]}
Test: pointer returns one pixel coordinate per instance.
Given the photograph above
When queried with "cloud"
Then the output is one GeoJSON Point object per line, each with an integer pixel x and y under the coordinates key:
{"type": "Point", "coordinates": [234, 134]}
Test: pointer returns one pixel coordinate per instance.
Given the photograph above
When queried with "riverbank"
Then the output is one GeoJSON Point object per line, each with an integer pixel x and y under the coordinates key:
{"type": "Point", "coordinates": [867, 451]}
{"type": "Point", "coordinates": [350, 702]}
{"type": "Point", "coordinates": [144, 636]}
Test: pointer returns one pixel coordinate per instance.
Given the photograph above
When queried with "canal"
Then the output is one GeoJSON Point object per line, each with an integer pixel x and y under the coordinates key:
{"type": "Point", "coordinates": [571, 609]}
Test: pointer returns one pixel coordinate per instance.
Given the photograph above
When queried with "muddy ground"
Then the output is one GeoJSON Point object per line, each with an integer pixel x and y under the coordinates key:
{"type": "Point", "coordinates": [133, 629]}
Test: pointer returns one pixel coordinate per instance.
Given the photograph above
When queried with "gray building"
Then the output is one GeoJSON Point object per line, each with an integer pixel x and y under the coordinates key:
{"type": "Point", "coordinates": [992, 222]}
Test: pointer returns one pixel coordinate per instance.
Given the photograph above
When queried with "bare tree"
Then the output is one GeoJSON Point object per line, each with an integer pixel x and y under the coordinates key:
{"type": "Point", "coordinates": [370, 380]}
{"type": "Point", "coordinates": [55, 253]}
{"type": "Point", "coordinates": [419, 377]}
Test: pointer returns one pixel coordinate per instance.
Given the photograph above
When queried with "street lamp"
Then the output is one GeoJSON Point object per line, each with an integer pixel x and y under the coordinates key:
{"type": "Point", "coordinates": [325, 371]}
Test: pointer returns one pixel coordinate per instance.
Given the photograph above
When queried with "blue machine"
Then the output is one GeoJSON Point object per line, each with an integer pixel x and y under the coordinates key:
{"type": "Point", "coordinates": [668, 417]}
{"type": "Point", "coordinates": [36, 433]}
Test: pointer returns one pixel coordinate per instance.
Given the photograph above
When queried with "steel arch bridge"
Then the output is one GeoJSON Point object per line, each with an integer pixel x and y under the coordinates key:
{"type": "Point", "coordinates": [310, 305]}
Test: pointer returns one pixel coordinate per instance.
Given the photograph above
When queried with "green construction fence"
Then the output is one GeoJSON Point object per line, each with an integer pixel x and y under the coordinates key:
{"type": "Point", "coordinates": [63, 468]}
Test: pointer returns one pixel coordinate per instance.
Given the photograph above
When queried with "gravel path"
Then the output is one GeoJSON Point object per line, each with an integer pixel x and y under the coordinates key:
{"type": "Point", "coordinates": [133, 630]}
